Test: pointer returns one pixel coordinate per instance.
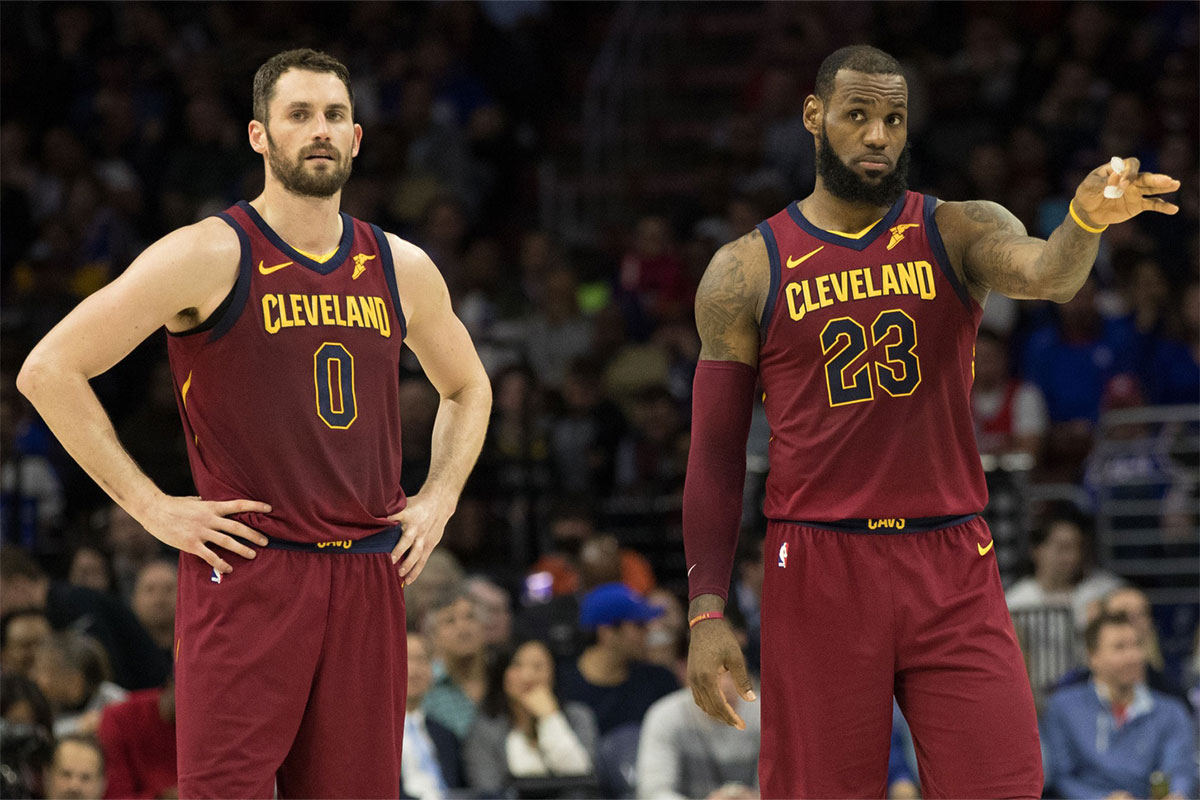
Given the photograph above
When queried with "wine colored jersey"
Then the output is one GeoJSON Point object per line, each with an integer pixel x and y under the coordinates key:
{"type": "Point", "coordinates": [289, 392]}
{"type": "Point", "coordinates": [866, 365]}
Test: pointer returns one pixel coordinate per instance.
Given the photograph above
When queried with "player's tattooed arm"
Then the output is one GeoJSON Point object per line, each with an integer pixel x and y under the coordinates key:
{"type": "Point", "coordinates": [991, 250]}
{"type": "Point", "coordinates": [730, 300]}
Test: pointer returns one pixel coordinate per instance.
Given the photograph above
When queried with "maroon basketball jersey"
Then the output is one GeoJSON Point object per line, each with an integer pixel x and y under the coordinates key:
{"type": "Point", "coordinates": [289, 392]}
{"type": "Point", "coordinates": [866, 363]}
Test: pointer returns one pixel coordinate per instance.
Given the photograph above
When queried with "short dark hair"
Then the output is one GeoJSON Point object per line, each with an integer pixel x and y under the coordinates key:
{"type": "Point", "coordinates": [87, 741]}
{"type": "Point", "coordinates": [8, 618]}
{"type": "Point", "coordinates": [1091, 634]}
{"type": "Point", "coordinates": [857, 57]}
{"type": "Point", "coordinates": [304, 58]}
{"type": "Point", "coordinates": [16, 689]}
{"type": "Point", "coordinates": [83, 654]}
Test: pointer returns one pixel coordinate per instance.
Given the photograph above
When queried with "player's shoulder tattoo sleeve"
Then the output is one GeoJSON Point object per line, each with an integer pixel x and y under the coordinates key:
{"type": "Point", "coordinates": [989, 246]}
{"type": "Point", "coordinates": [731, 298]}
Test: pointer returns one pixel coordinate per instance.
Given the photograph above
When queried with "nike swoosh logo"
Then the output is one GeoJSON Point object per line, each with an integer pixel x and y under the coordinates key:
{"type": "Point", "coordinates": [269, 270]}
{"type": "Point", "coordinates": [795, 262]}
{"type": "Point", "coordinates": [983, 551]}
{"type": "Point", "coordinates": [692, 567]}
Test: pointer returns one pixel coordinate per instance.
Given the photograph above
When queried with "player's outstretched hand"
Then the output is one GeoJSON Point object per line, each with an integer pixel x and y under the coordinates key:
{"type": "Point", "coordinates": [1118, 191]}
{"type": "Point", "coordinates": [422, 522]}
{"type": "Point", "coordinates": [191, 524]}
{"type": "Point", "coordinates": [714, 651]}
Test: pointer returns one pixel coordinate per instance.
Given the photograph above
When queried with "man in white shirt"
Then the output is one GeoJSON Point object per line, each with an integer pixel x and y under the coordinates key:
{"type": "Point", "coordinates": [429, 763]}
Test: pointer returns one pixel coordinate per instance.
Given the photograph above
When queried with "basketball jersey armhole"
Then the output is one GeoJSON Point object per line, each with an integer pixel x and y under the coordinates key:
{"type": "Point", "coordinates": [226, 314]}
{"type": "Point", "coordinates": [776, 276]}
{"type": "Point", "coordinates": [389, 275]}
{"type": "Point", "coordinates": [939, 252]}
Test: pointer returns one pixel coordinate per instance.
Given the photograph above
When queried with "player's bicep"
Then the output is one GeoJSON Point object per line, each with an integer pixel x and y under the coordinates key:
{"type": "Point", "coordinates": [730, 298]}
{"type": "Point", "coordinates": [434, 333]}
{"type": "Point", "coordinates": [997, 254]}
{"type": "Point", "coordinates": [180, 271]}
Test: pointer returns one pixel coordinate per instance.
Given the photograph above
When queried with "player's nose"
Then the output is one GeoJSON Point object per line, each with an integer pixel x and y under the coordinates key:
{"type": "Point", "coordinates": [875, 134]}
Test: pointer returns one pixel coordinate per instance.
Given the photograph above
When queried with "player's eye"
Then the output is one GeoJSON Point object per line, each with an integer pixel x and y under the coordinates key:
{"type": "Point", "coordinates": [857, 115]}
{"type": "Point", "coordinates": [298, 115]}
{"type": "Point", "coordinates": [895, 119]}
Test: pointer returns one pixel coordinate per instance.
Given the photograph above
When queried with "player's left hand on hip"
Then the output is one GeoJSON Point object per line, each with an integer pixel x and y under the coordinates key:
{"type": "Point", "coordinates": [1119, 191]}
{"type": "Point", "coordinates": [422, 523]}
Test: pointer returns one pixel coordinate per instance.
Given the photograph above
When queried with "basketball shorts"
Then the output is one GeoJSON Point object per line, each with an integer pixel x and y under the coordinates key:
{"type": "Point", "coordinates": [852, 618]}
{"type": "Point", "coordinates": [291, 673]}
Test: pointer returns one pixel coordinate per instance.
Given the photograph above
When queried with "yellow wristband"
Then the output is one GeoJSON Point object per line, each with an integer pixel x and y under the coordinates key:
{"type": "Point", "coordinates": [1080, 223]}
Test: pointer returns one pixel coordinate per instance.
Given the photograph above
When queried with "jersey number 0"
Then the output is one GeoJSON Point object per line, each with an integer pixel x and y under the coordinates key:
{"type": "Point", "coordinates": [898, 374]}
{"type": "Point", "coordinates": [333, 373]}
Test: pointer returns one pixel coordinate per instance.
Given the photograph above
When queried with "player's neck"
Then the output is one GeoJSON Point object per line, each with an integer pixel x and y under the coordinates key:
{"type": "Point", "coordinates": [309, 224]}
{"type": "Point", "coordinates": [831, 213]}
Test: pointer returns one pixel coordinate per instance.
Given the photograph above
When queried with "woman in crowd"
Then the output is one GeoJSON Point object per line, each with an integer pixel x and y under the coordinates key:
{"type": "Point", "coordinates": [523, 731]}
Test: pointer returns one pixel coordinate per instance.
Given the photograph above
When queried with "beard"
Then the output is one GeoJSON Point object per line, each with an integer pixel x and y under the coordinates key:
{"type": "Point", "coordinates": [296, 177]}
{"type": "Point", "coordinates": [845, 184]}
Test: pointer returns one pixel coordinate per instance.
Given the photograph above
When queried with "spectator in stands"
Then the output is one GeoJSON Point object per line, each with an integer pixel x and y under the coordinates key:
{"type": "Point", "coordinates": [441, 574]}
{"type": "Point", "coordinates": [902, 779]}
{"type": "Point", "coordinates": [746, 593]}
{"type": "Point", "coordinates": [683, 752]}
{"type": "Point", "coordinates": [1062, 573]}
{"type": "Point", "coordinates": [153, 601]}
{"type": "Point", "coordinates": [584, 437]}
{"type": "Point", "coordinates": [1108, 735]}
{"type": "Point", "coordinates": [609, 676]}
{"type": "Point", "coordinates": [1010, 414]}
{"type": "Point", "coordinates": [76, 771]}
{"type": "Point", "coordinates": [649, 458]}
{"type": "Point", "coordinates": [72, 671]}
{"type": "Point", "coordinates": [136, 661]}
{"type": "Point", "coordinates": [28, 738]}
{"type": "Point", "coordinates": [132, 547]}
{"type": "Point", "coordinates": [460, 668]}
{"type": "Point", "coordinates": [431, 761]}
{"type": "Point", "coordinates": [524, 730]}
{"type": "Point", "coordinates": [651, 275]}
{"type": "Point", "coordinates": [138, 738]}
{"type": "Point", "coordinates": [90, 569]}
{"type": "Point", "coordinates": [556, 333]}
{"type": "Point", "coordinates": [21, 632]}
{"type": "Point", "coordinates": [666, 636]}
{"type": "Point", "coordinates": [494, 607]}
{"type": "Point", "coordinates": [1172, 376]}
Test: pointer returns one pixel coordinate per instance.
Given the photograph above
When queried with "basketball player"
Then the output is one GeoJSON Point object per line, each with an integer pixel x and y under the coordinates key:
{"type": "Point", "coordinates": [285, 322]}
{"type": "Point", "coordinates": [857, 309]}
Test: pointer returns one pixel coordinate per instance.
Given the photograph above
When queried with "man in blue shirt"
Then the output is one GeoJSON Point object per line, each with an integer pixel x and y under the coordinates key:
{"type": "Point", "coordinates": [1105, 737]}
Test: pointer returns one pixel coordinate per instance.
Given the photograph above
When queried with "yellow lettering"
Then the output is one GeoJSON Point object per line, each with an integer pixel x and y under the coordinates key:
{"type": "Point", "coordinates": [796, 313]}
{"type": "Point", "coordinates": [925, 277]}
{"type": "Point", "coordinates": [873, 524]}
{"type": "Point", "coordinates": [871, 290]}
{"type": "Point", "coordinates": [900, 524]}
{"type": "Point", "coordinates": [823, 291]}
{"type": "Point", "coordinates": [326, 309]}
{"type": "Point", "coordinates": [808, 303]}
{"type": "Point", "coordinates": [908, 278]}
{"type": "Point", "coordinates": [337, 310]}
{"type": "Point", "coordinates": [269, 301]}
{"type": "Point", "coordinates": [841, 286]}
{"type": "Point", "coordinates": [385, 323]}
{"type": "Point", "coordinates": [353, 317]}
{"type": "Point", "coordinates": [370, 318]}
{"type": "Point", "coordinates": [310, 309]}
{"type": "Point", "coordinates": [297, 309]}
{"type": "Point", "coordinates": [856, 285]}
{"type": "Point", "coordinates": [889, 280]}
{"type": "Point", "coordinates": [284, 320]}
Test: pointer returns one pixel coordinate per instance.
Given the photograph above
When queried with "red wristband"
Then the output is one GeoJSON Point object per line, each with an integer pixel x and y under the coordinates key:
{"type": "Point", "coordinates": [706, 615]}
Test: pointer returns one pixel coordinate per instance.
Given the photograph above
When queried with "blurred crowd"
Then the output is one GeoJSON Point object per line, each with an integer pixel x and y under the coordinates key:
{"type": "Point", "coordinates": [547, 635]}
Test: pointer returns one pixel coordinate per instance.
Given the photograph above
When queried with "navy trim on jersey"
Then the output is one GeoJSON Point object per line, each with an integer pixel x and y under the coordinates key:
{"type": "Point", "coordinates": [383, 541]}
{"type": "Point", "coordinates": [776, 276]}
{"type": "Point", "coordinates": [939, 251]}
{"type": "Point", "coordinates": [227, 313]}
{"type": "Point", "coordinates": [320, 267]}
{"type": "Point", "coordinates": [882, 526]}
{"type": "Point", "coordinates": [389, 274]}
{"type": "Point", "coordinates": [861, 243]}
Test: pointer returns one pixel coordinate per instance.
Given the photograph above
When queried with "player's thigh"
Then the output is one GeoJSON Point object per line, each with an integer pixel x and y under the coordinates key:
{"type": "Point", "coordinates": [826, 665]}
{"type": "Point", "coordinates": [349, 741]}
{"type": "Point", "coordinates": [246, 652]}
{"type": "Point", "coordinates": [961, 681]}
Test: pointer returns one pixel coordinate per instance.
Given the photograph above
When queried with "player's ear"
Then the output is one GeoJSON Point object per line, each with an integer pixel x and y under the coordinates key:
{"type": "Point", "coordinates": [358, 133]}
{"type": "Point", "coordinates": [258, 136]}
{"type": "Point", "coordinates": [814, 111]}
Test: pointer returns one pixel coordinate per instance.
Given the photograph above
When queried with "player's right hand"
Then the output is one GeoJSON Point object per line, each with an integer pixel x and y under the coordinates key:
{"type": "Point", "coordinates": [714, 651]}
{"type": "Point", "coordinates": [191, 524]}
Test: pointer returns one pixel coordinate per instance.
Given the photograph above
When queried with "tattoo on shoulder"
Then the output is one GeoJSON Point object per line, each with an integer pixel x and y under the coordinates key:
{"type": "Point", "coordinates": [997, 245]}
{"type": "Point", "coordinates": [727, 301]}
